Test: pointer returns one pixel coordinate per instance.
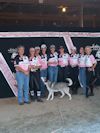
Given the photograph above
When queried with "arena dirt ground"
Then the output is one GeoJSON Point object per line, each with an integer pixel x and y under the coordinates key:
{"type": "Point", "coordinates": [80, 115]}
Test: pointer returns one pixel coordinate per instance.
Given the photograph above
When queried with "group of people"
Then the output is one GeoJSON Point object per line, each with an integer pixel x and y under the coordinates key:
{"type": "Point", "coordinates": [55, 67]}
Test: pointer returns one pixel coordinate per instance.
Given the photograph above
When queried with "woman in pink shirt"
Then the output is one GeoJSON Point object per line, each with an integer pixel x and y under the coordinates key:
{"type": "Point", "coordinates": [63, 65]}
{"type": "Point", "coordinates": [53, 65]}
{"type": "Point", "coordinates": [43, 69]}
{"type": "Point", "coordinates": [82, 69]}
{"type": "Point", "coordinates": [35, 74]}
{"type": "Point", "coordinates": [90, 70]}
{"type": "Point", "coordinates": [73, 60]}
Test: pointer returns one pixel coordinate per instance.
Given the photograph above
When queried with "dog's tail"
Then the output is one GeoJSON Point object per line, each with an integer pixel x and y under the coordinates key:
{"type": "Point", "coordinates": [70, 81]}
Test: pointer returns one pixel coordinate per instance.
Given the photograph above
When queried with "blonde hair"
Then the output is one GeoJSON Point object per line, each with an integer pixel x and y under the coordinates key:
{"type": "Point", "coordinates": [88, 47]}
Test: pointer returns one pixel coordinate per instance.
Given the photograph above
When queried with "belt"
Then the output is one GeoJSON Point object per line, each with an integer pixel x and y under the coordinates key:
{"type": "Point", "coordinates": [34, 70]}
{"type": "Point", "coordinates": [63, 66]}
{"type": "Point", "coordinates": [88, 67]}
{"type": "Point", "coordinates": [74, 66]}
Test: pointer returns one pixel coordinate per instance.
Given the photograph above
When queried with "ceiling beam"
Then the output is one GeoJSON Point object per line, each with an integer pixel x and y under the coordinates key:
{"type": "Point", "coordinates": [87, 3]}
{"type": "Point", "coordinates": [51, 17]}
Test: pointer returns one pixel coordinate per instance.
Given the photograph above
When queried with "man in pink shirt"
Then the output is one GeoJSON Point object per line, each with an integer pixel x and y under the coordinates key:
{"type": "Point", "coordinates": [21, 64]}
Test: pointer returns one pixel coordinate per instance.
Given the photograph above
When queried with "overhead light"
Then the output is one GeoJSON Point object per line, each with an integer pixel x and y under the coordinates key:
{"type": "Point", "coordinates": [64, 9]}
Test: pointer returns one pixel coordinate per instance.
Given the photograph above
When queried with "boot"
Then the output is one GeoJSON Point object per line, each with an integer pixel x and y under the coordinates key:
{"type": "Point", "coordinates": [39, 99]}
{"type": "Point", "coordinates": [91, 91]}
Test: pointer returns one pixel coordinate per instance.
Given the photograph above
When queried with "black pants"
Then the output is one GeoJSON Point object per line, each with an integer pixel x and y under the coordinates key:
{"type": "Point", "coordinates": [74, 72]}
{"type": "Point", "coordinates": [97, 70]}
{"type": "Point", "coordinates": [35, 83]}
{"type": "Point", "coordinates": [89, 81]}
{"type": "Point", "coordinates": [63, 73]}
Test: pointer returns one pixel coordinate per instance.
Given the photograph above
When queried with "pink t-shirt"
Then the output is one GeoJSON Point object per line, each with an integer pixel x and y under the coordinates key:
{"type": "Point", "coordinates": [53, 59]}
{"type": "Point", "coordinates": [43, 61]}
{"type": "Point", "coordinates": [90, 60]}
{"type": "Point", "coordinates": [38, 60]}
{"type": "Point", "coordinates": [73, 60]}
{"type": "Point", "coordinates": [35, 61]}
{"type": "Point", "coordinates": [82, 61]}
{"type": "Point", "coordinates": [63, 60]}
{"type": "Point", "coordinates": [22, 62]}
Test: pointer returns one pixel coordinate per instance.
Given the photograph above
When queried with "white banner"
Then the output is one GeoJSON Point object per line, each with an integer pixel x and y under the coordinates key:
{"type": "Point", "coordinates": [67, 38]}
{"type": "Point", "coordinates": [66, 35]}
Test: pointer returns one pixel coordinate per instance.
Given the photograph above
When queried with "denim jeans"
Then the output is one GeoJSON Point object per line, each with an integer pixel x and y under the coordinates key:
{"type": "Point", "coordinates": [23, 87]}
{"type": "Point", "coordinates": [82, 78]}
{"type": "Point", "coordinates": [43, 73]}
{"type": "Point", "coordinates": [52, 73]}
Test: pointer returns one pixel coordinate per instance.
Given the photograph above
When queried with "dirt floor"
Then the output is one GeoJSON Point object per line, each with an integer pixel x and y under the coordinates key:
{"type": "Point", "coordinates": [80, 115]}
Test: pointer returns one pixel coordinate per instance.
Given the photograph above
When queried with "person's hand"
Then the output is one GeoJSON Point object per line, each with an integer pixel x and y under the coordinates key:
{"type": "Point", "coordinates": [90, 69]}
{"type": "Point", "coordinates": [26, 72]}
{"type": "Point", "coordinates": [32, 66]}
{"type": "Point", "coordinates": [53, 62]}
{"type": "Point", "coordinates": [29, 66]}
{"type": "Point", "coordinates": [37, 67]}
{"type": "Point", "coordinates": [93, 68]}
{"type": "Point", "coordinates": [49, 62]}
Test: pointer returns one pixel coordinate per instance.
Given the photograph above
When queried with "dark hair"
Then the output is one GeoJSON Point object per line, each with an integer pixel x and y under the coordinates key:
{"type": "Point", "coordinates": [81, 47]}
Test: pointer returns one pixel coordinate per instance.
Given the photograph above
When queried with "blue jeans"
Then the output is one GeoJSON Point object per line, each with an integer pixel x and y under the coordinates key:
{"type": "Point", "coordinates": [23, 87]}
{"type": "Point", "coordinates": [43, 73]}
{"type": "Point", "coordinates": [52, 73]}
{"type": "Point", "coordinates": [82, 78]}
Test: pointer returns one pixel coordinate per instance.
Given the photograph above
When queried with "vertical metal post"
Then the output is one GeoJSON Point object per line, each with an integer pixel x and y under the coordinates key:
{"type": "Point", "coordinates": [82, 16]}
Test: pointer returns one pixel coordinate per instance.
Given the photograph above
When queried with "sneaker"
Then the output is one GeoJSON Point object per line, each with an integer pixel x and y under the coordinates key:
{"type": "Point", "coordinates": [43, 96]}
{"type": "Point", "coordinates": [33, 98]}
{"type": "Point", "coordinates": [28, 102]}
{"type": "Point", "coordinates": [91, 94]}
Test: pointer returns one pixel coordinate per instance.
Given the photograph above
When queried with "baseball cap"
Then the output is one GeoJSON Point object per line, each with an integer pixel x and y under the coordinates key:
{"type": "Point", "coordinates": [61, 47]}
{"type": "Point", "coordinates": [52, 46]}
{"type": "Point", "coordinates": [43, 46]}
{"type": "Point", "coordinates": [37, 47]}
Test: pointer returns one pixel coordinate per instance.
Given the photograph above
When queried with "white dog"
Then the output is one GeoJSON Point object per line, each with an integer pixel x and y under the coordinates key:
{"type": "Point", "coordinates": [58, 87]}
